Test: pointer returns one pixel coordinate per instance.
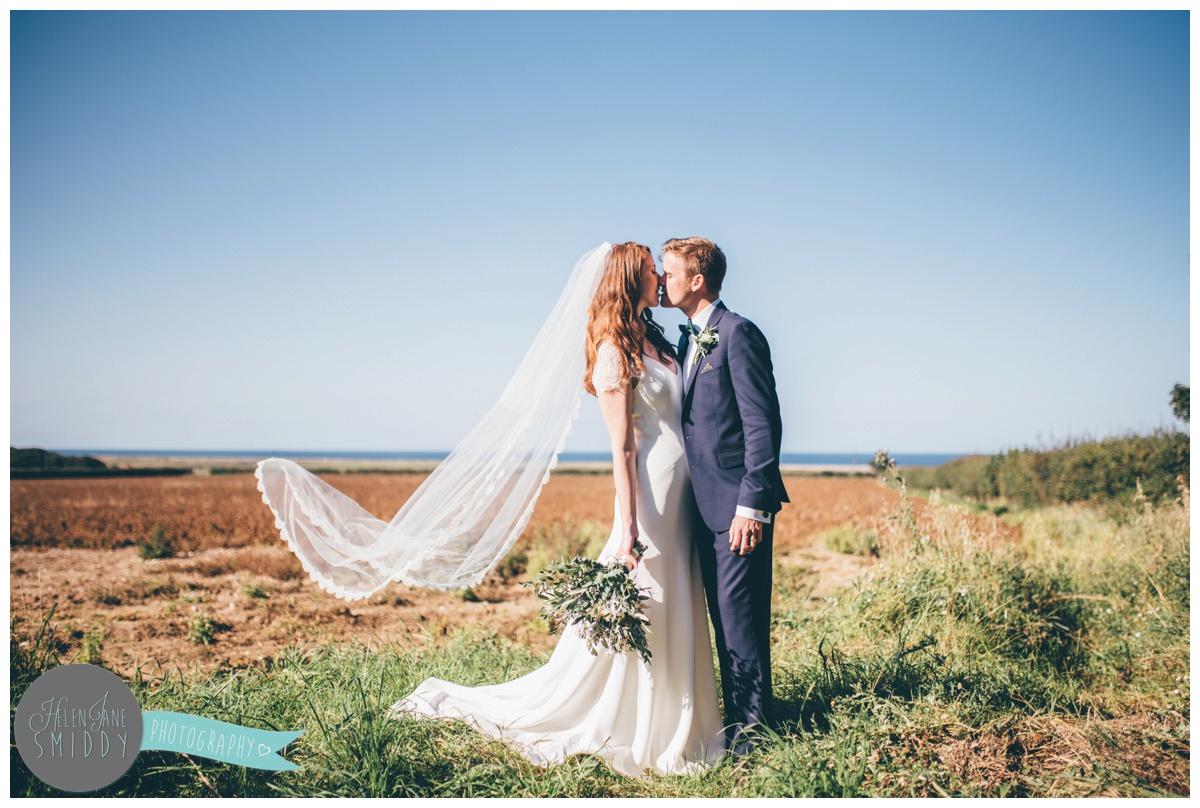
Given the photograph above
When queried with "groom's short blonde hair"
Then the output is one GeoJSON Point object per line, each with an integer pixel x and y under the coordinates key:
{"type": "Point", "coordinates": [700, 257]}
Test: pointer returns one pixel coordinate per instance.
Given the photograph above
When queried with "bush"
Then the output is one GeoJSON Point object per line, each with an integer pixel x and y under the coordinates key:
{"type": "Point", "coordinates": [845, 539]}
{"type": "Point", "coordinates": [202, 630]}
{"type": "Point", "coordinates": [1109, 470]}
{"type": "Point", "coordinates": [1035, 616]}
{"type": "Point", "coordinates": [158, 545]}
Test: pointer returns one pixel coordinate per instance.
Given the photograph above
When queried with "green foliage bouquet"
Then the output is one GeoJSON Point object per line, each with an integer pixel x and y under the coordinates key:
{"type": "Point", "coordinates": [600, 599]}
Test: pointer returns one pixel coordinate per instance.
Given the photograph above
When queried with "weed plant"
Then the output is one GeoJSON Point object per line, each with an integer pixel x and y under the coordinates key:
{"type": "Point", "coordinates": [92, 651]}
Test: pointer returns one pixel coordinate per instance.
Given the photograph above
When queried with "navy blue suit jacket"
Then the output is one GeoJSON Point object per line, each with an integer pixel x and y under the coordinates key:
{"type": "Point", "coordinates": [731, 425]}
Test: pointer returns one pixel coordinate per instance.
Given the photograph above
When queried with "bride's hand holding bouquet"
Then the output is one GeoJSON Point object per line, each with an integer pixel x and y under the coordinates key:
{"type": "Point", "coordinates": [600, 599]}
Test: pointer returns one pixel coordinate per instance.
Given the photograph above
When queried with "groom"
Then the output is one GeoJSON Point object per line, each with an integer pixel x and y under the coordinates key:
{"type": "Point", "coordinates": [732, 432]}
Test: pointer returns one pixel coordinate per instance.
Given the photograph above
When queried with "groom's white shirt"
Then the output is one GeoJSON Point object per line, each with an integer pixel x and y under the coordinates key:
{"type": "Point", "coordinates": [700, 320]}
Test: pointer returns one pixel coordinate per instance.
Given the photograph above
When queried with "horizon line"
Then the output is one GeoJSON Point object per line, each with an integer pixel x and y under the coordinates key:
{"type": "Point", "coordinates": [256, 452]}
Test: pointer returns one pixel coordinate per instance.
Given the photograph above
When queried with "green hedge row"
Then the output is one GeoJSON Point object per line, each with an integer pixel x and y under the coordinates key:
{"type": "Point", "coordinates": [34, 458]}
{"type": "Point", "coordinates": [1098, 471]}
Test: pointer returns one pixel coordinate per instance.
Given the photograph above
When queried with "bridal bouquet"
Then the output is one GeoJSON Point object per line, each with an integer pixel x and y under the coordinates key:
{"type": "Point", "coordinates": [600, 599]}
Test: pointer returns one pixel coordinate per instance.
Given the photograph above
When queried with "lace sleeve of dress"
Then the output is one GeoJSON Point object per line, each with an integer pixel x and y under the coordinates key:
{"type": "Point", "coordinates": [608, 374]}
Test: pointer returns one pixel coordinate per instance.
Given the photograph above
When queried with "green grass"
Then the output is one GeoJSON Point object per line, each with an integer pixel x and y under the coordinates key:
{"type": "Point", "coordinates": [956, 665]}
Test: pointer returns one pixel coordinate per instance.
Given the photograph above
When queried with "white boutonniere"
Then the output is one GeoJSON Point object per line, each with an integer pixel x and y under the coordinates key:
{"type": "Point", "coordinates": [706, 340]}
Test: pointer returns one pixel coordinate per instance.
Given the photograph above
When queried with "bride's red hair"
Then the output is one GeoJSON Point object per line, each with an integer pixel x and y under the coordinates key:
{"type": "Point", "coordinates": [613, 316]}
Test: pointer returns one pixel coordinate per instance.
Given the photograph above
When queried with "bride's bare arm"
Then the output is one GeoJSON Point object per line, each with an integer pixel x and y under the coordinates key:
{"type": "Point", "coordinates": [617, 407]}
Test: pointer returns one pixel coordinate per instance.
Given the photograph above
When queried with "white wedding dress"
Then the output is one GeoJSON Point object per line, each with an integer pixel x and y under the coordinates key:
{"type": "Point", "coordinates": [660, 716]}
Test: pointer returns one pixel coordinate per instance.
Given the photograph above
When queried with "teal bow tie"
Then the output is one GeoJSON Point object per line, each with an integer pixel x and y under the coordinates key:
{"type": "Point", "coordinates": [689, 330]}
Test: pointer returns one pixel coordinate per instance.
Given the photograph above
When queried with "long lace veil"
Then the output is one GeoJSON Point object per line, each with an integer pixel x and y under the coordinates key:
{"type": "Point", "coordinates": [466, 516]}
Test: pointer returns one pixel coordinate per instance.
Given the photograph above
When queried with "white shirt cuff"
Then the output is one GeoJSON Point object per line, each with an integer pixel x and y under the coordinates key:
{"type": "Point", "coordinates": [751, 513]}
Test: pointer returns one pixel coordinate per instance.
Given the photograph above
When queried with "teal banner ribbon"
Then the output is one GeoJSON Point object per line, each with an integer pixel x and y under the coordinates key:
{"type": "Point", "coordinates": [218, 740]}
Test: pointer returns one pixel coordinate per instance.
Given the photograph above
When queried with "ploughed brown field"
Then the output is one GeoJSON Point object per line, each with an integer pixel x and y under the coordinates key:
{"type": "Point", "coordinates": [74, 547]}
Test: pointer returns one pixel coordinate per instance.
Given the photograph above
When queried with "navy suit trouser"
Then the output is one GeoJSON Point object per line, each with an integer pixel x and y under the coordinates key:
{"type": "Point", "coordinates": [739, 601]}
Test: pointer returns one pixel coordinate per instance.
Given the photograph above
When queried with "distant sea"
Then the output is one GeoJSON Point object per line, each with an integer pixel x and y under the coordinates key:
{"type": "Point", "coordinates": [815, 459]}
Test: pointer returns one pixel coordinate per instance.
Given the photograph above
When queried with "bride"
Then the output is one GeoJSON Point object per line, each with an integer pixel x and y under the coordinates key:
{"type": "Point", "coordinates": [637, 716]}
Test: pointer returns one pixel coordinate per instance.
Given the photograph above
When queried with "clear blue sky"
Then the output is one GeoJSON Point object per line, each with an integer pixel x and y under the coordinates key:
{"type": "Point", "coordinates": [959, 231]}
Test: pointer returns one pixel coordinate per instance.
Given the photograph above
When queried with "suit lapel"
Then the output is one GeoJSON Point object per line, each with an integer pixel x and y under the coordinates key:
{"type": "Point", "coordinates": [718, 311]}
